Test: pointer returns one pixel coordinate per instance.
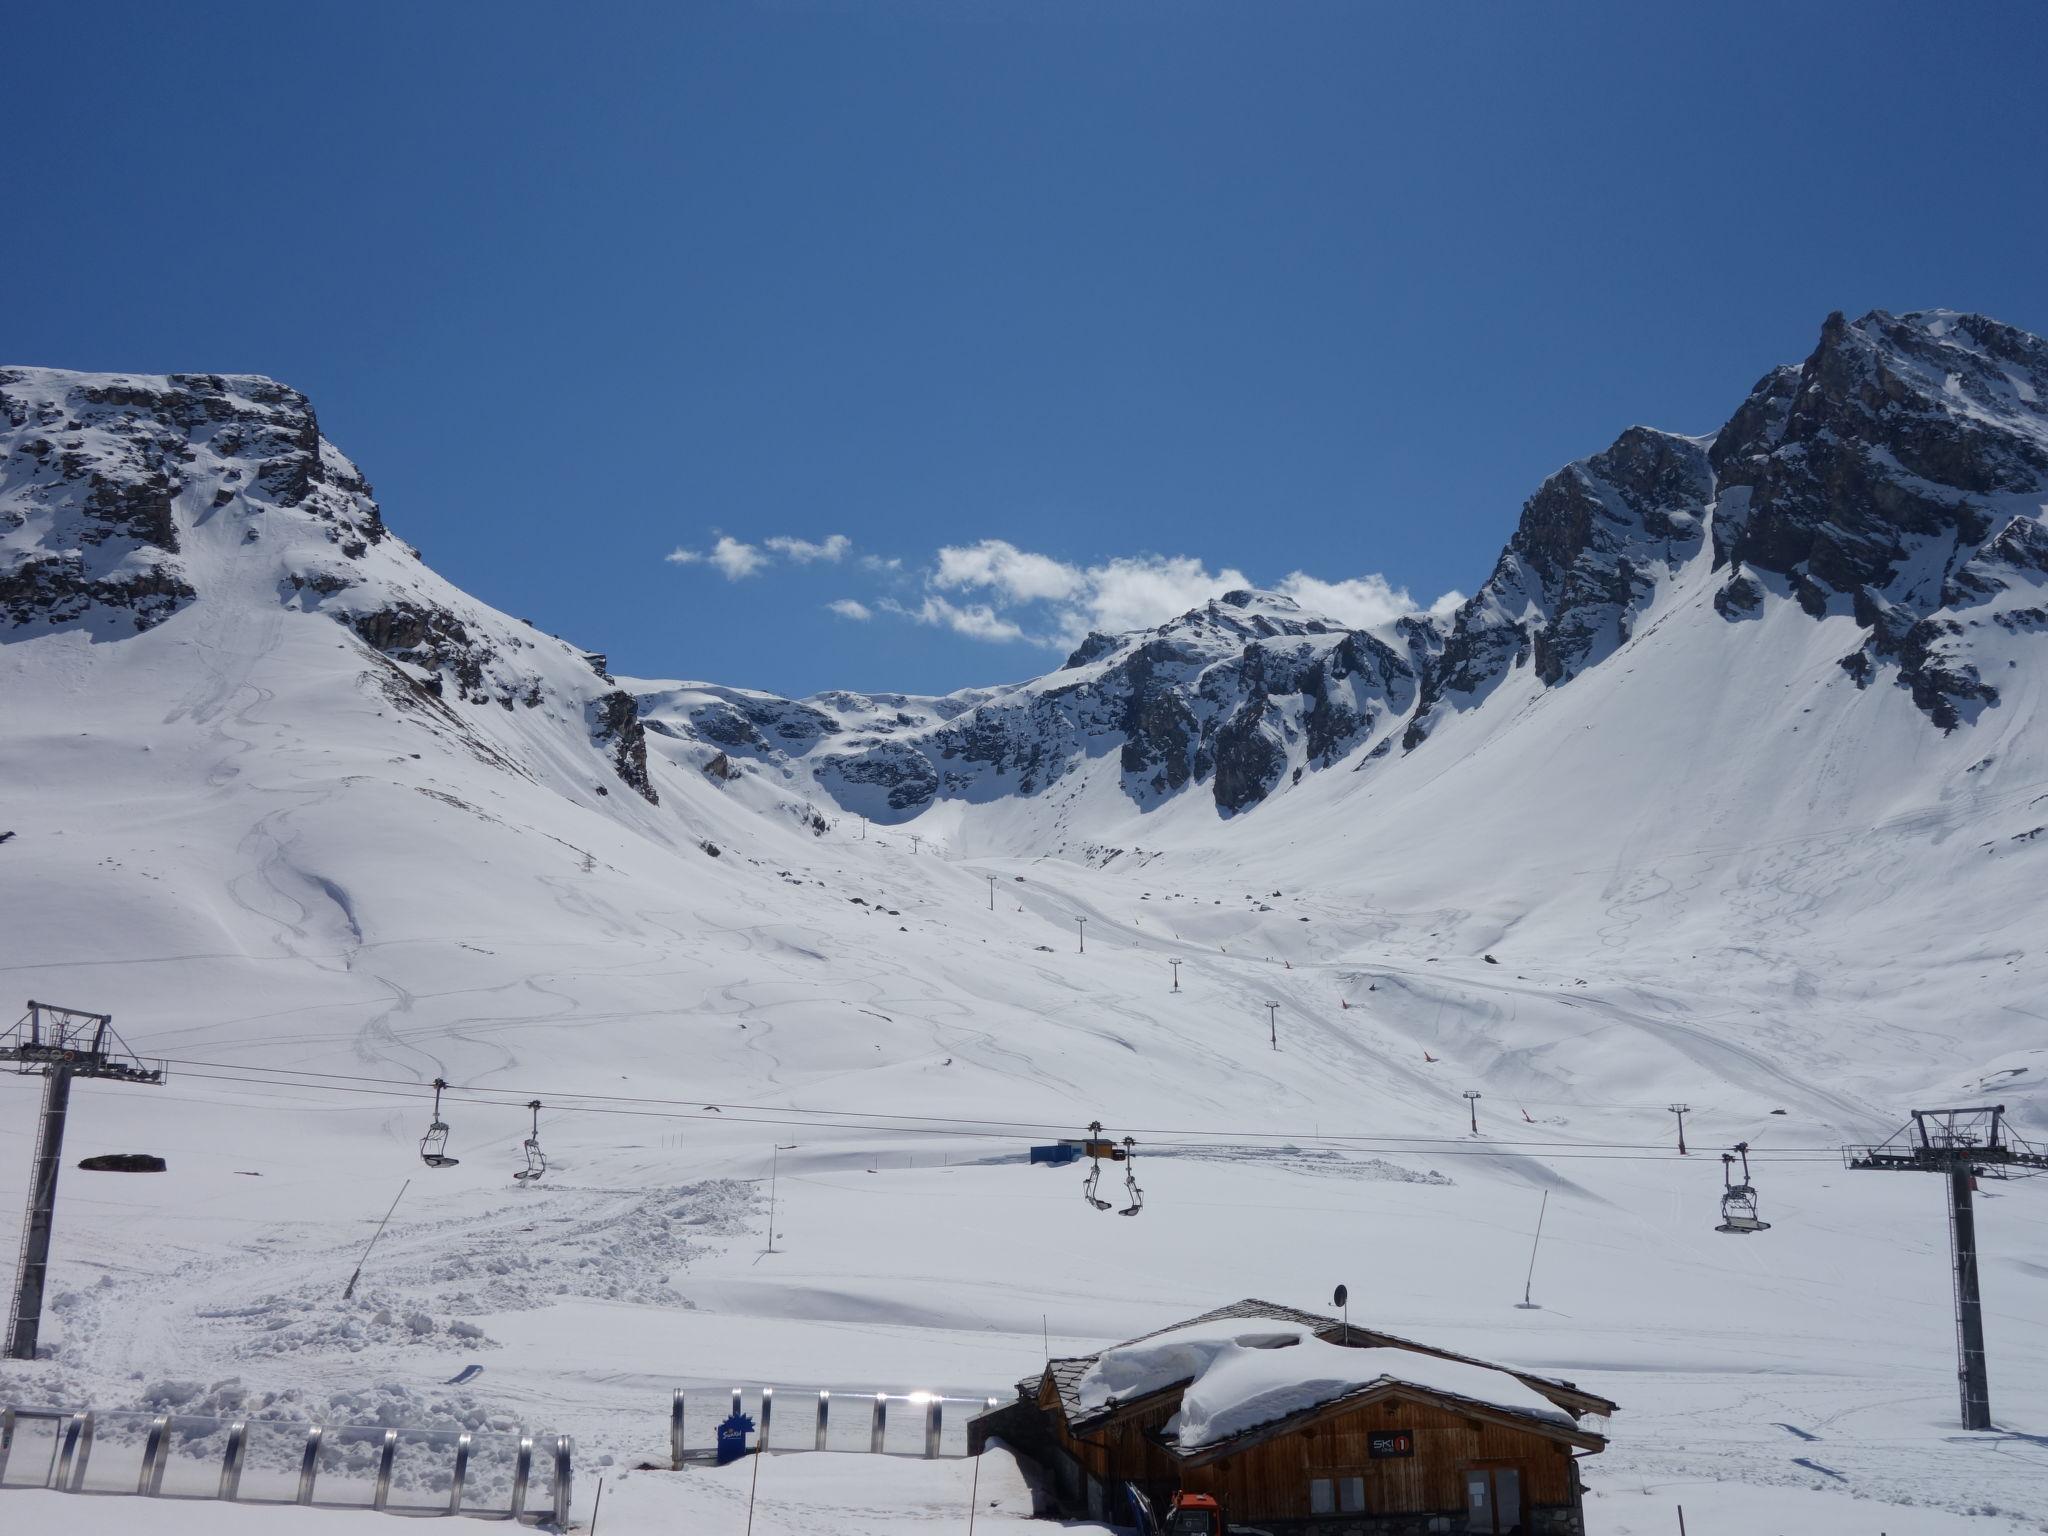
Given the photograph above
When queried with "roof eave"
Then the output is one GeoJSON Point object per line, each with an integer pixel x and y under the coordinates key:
{"type": "Point", "coordinates": [1259, 1434]}
{"type": "Point", "coordinates": [1116, 1412]}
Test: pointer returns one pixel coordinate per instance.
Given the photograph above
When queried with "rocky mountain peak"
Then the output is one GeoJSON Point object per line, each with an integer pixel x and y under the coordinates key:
{"type": "Point", "coordinates": [1867, 479]}
{"type": "Point", "coordinates": [125, 499]}
{"type": "Point", "coordinates": [1585, 558]}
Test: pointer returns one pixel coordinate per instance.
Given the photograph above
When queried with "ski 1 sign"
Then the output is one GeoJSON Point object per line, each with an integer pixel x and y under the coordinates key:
{"type": "Point", "coordinates": [1383, 1443]}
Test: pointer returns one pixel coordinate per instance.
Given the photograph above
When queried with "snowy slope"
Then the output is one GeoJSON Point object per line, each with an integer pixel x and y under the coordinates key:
{"type": "Point", "coordinates": [288, 804]}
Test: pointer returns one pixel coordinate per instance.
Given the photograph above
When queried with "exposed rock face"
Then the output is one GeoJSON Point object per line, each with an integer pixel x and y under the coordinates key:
{"type": "Point", "coordinates": [123, 498]}
{"type": "Point", "coordinates": [1227, 696]}
{"type": "Point", "coordinates": [1866, 482]}
{"type": "Point", "coordinates": [1593, 544]}
{"type": "Point", "coordinates": [95, 466]}
{"type": "Point", "coordinates": [1871, 477]}
{"type": "Point", "coordinates": [1895, 479]}
{"type": "Point", "coordinates": [615, 722]}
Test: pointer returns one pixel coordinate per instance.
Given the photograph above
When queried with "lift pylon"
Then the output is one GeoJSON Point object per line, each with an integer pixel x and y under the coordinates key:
{"type": "Point", "coordinates": [59, 1044]}
{"type": "Point", "coordinates": [1965, 1145]}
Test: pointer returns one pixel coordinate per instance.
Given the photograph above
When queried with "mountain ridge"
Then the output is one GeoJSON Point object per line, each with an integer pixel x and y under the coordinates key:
{"type": "Point", "coordinates": [1817, 490]}
{"type": "Point", "coordinates": [1895, 477]}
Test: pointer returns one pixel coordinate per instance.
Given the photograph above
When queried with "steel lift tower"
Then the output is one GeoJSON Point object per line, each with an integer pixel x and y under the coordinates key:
{"type": "Point", "coordinates": [1963, 1144]}
{"type": "Point", "coordinates": [59, 1043]}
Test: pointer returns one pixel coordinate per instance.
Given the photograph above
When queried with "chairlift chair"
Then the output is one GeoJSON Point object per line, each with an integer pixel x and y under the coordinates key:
{"type": "Point", "coordinates": [1738, 1201]}
{"type": "Point", "coordinates": [1095, 1149]}
{"type": "Point", "coordinates": [434, 1145]}
{"type": "Point", "coordinates": [536, 1160]}
{"type": "Point", "coordinates": [1137, 1195]}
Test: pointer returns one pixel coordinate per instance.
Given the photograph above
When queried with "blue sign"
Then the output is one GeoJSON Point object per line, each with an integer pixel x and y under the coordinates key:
{"type": "Point", "coordinates": [732, 1438]}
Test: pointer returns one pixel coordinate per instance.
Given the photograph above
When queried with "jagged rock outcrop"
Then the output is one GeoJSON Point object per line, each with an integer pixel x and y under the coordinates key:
{"type": "Point", "coordinates": [1894, 479]}
{"type": "Point", "coordinates": [1235, 696]}
{"type": "Point", "coordinates": [1591, 547]}
{"type": "Point", "coordinates": [1870, 478]}
{"type": "Point", "coordinates": [125, 499]}
{"type": "Point", "coordinates": [1866, 482]}
{"type": "Point", "coordinates": [615, 723]}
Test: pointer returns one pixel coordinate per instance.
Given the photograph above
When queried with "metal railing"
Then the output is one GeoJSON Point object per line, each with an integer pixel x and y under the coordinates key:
{"type": "Point", "coordinates": [864, 1422]}
{"type": "Point", "coordinates": [506, 1476]}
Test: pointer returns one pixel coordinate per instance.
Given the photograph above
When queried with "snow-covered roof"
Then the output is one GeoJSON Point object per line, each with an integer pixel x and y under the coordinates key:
{"type": "Point", "coordinates": [1069, 1372]}
{"type": "Point", "coordinates": [1242, 1372]}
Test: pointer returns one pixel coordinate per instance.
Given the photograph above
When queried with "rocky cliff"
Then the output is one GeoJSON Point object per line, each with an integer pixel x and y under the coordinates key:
{"type": "Point", "coordinates": [125, 499]}
{"type": "Point", "coordinates": [1892, 484]}
{"type": "Point", "coordinates": [1896, 478]}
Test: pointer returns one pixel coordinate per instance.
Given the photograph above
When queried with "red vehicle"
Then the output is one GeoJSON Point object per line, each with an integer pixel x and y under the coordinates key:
{"type": "Point", "coordinates": [1193, 1514]}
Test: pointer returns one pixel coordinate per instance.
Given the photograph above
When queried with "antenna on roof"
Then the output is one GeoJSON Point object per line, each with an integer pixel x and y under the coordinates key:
{"type": "Point", "coordinates": [1342, 1298]}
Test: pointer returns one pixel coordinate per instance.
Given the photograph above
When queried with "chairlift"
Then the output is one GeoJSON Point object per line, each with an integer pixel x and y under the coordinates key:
{"type": "Point", "coordinates": [434, 1145]}
{"type": "Point", "coordinates": [1131, 1179]}
{"type": "Point", "coordinates": [536, 1160]}
{"type": "Point", "coordinates": [1096, 1147]}
{"type": "Point", "coordinates": [1738, 1201]}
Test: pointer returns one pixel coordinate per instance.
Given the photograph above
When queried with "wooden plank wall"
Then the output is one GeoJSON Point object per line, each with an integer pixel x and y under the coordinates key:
{"type": "Point", "coordinates": [1271, 1480]}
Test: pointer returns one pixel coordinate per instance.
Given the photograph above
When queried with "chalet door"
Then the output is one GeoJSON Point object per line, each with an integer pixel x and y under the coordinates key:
{"type": "Point", "coordinates": [1493, 1501]}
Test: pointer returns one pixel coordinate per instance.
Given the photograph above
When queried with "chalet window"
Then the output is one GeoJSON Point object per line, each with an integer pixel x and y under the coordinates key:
{"type": "Point", "coordinates": [1336, 1495]}
{"type": "Point", "coordinates": [1493, 1501]}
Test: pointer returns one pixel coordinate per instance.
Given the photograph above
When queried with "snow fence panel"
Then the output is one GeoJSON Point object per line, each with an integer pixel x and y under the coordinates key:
{"type": "Point", "coordinates": [120, 1442]}
{"type": "Point", "coordinates": [423, 1469]}
{"type": "Point", "coordinates": [705, 1408]}
{"type": "Point", "coordinates": [850, 1422]}
{"type": "Point", "coordinates": [31, 1451]}
{"type": "Point", "coordinates": [487, 1482]}
{"type": "Point", "coordinates": [903, 1429]}
{"type": "Point", "coordinates": [194, 1450]}
{"type": "Point", "coordinates": [271, 1460]}
{"type": "Point", "coordinates": [540, 1488]}
{"type": "Point", "coordinates": [347, 1465]}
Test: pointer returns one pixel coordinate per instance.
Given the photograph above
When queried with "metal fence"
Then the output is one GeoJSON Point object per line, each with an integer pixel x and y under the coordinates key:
{"type": "Point", "coordinates": [508, 1476]}
{"type": "Point", "coordinates": [787, 1419]}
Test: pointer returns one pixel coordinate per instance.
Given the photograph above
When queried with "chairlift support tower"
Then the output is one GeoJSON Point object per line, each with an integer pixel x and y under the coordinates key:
{"type": "Point", "coordinates": [1963, 1144]}
{"type": "Point", "coordinates": [59, 1044]}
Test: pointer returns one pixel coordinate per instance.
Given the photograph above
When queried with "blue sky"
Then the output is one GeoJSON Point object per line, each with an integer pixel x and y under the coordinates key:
{"type": "Point", "coordinates": [1004, 319]}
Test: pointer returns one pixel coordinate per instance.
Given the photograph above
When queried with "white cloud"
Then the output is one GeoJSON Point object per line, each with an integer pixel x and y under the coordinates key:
{"type": "Point", "coordinates": [1018, 574]}
{"type": "Point", "coordinates": [1021, 594]}
{"type": "Point", "coordinates": [977, 621]}
{"type": "Point", "coordinates": [1128, 592]}
{"type": "Point", "coordinates": [1138, 591]}
{"type": "Point", "coordinates": [1358, 603]}
{"type": "Point", "coordinates": [735, 559]}
{"type": "Point", "coordinates": [803, 551]}
{"type": "Point", "coordinates": [732, 558]}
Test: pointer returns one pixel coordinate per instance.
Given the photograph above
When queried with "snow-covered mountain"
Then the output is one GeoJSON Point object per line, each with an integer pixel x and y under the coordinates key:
{"type": "Point", "coordinates": [1729, 786]}
{"type": "Point", "coordinates": [125, 500]}
{"type": "Point", "coordinates": [1896, 478]}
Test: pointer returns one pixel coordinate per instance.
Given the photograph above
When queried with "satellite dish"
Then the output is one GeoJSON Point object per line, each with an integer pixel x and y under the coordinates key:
{"type": "Point", "coordinates": [1342, 1298]}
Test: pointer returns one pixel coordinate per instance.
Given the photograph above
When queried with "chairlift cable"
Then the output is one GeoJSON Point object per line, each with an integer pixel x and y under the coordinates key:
{"type": "Point", "coordinates": [1386, 1144]}
{"type": "Point", "coordinates": [1009, 1129]}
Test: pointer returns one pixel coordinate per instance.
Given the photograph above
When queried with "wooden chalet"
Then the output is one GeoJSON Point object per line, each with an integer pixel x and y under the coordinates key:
{"type": "Point", "coordinates": [1414, 1441]}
